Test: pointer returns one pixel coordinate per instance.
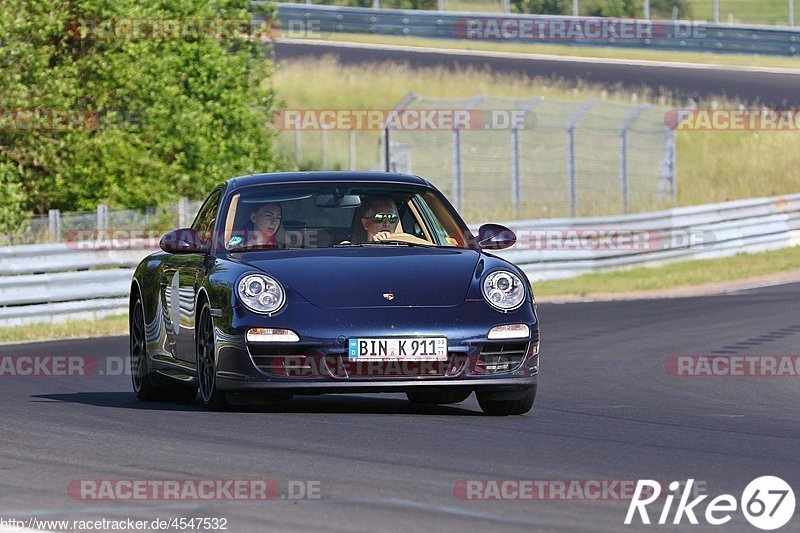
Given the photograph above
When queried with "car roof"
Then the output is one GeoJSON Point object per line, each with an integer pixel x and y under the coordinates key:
{"type": "Point", "coordinates": [308, 177]}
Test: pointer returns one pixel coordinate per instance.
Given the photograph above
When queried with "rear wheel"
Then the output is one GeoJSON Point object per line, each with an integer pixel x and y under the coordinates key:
{"type": "Point", "coordinates": [437, 398]}
{"type": "Point", "coordinates": [145, 383]}
{"type": "Point", "coordinates": [207, 363]}
{"type": "Point", "coordinates": [504, 403]}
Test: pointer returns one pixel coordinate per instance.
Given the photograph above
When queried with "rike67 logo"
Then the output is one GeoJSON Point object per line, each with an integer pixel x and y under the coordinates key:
{"type": "Point", "coordinates": [767, 503]}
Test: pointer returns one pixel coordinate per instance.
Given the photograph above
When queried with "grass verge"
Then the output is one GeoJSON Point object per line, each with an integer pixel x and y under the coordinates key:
{"type": "Point", "coordinates": [604, 52]}
{"type": "Point", "coordinates": [675, 276]}
{"type": "Point", "coordinates": [78, 329]}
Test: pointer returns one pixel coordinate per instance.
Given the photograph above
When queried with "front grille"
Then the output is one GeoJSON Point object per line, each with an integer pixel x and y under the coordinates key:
{"type": "Point", "coordinates": [495, 358]}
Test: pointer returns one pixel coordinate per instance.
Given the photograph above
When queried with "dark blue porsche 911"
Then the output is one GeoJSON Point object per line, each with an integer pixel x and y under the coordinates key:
{"type": "Point", "coordinates": [333, 282]}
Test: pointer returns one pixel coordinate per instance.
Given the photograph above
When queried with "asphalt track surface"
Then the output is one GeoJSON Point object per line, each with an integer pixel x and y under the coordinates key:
{"type": "Point", "coordinates": [774, 89]}
{"type": "Point", "coordinates": [606, 410]}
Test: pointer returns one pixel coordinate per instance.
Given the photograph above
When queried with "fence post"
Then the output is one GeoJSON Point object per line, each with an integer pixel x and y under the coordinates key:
{"type": "Point", "coordinates": [54, 224]}
{"type": "Point", "coordinates": [516, 186]}
{"type": "Point", "coordinates": [668, 178]}
{"type": "Point", "coordinates": [716, 11]}
{"type": "Point", "coordinates": [516, 172]}
{"type": "Point", "coordinates": [457, 178]}
{"type": "Point", "coordinates": [791, 13]}
{"type": "Point", "coordinates": [674, 176]}
{"type": "Point", "coordinates": [506, 6]}
{"type": "Point", "coordinates": [183, 215]}
{"type": "Point", "coordinates": [102, 216]}
{"type": "Point", "coordinates": [386, 152]}
{"type": "Point", "coordinates": [440, 5]}
{"type": "Point", "coordinates": [298, 146]}
{"type": "Point", "coordinates": [647, 9]}
{"type": "Point", "coordinates": [623, 153]}
{"type": "Point", "coordinates": [324, 149]}
{"type": "Point", "coordinates": [352, 149]}
{"type": "Point", "coordinates": [575, 8]}
{"type": "Point", "coordinates": [571, 163]}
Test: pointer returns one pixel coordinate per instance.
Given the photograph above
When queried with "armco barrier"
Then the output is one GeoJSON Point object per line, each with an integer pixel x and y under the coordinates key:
{"type": "Point", "coordinates": [53, 282]}
{"type": "Point", "coordinates": [305, 20]}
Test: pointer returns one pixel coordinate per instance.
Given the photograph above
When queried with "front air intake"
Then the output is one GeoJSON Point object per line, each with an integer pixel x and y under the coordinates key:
{"type": "Point", "coordinates": [495, 358]}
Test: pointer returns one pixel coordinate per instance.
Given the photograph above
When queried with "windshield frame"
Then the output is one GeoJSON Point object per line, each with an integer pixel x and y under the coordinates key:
{"type": "Point", "coordinates": [377, 186]}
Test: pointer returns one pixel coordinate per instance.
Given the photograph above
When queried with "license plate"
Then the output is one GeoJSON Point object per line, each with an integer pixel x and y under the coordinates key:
{"type": "Point", "coordinates": [407, 348]}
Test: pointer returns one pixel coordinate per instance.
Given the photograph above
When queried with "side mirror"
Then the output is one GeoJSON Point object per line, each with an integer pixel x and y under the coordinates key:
{"type": "Point", "coordinates": [495, 237]}
{"type": "Point", "coordinates": [184, 241]}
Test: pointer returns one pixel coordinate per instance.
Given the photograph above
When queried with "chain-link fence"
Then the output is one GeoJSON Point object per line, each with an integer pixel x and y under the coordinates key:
{"type": "Point", "coordinates": [510, 158]}
{"type": "Point", "coordinates": [495, 158]}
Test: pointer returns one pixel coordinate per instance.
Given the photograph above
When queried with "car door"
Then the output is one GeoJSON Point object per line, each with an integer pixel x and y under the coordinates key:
{"type": "Point", "coordinates": [182, 275]}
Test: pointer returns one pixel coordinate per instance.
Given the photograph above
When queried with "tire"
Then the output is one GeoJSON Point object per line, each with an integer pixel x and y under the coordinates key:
{"type": "Point", "coordinates": [146, 385]}
{"type": "Point", "coordinates": [501, 403]}
{"type": "Point", "coordinates": [437, 398]}
{"type": "Point", "coordinates": [205, 351]}
{"type": "Point", "coordinates": [141, 379]}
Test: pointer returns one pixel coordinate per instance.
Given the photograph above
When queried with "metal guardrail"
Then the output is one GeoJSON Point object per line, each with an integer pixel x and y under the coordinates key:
{"type": "Point", "coordinates": [307, 20]}
{"type": "Point", "coordinates": [52, 282]}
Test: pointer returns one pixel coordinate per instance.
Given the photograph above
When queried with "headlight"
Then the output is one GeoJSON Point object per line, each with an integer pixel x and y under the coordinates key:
{"type": "Point", "coordinates": [503, 290]}
{"type": "Point", "coordinates": [261, 293]}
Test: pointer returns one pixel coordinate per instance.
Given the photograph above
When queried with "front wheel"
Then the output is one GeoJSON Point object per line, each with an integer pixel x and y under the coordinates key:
{"type": "Point", "coordinates": [207, 363]}
{"type": "Point", "coordinates": [146, 384]}
{"type": "Point", "coordinates": [141, 378]}
{"type": "Point", "coordinates": [504, 403]}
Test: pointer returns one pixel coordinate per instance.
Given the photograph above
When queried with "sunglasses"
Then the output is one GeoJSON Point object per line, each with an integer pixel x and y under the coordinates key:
{"type": "Point", "coordinates": [380, 218]}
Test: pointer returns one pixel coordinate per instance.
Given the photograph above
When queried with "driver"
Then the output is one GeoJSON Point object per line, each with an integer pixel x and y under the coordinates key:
{"type": "Point", "coordinates": [379, 219]}
{"type": "Point", "coordinates": [266, 221]}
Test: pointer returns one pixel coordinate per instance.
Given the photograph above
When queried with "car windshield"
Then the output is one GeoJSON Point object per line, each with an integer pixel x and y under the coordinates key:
{"type": "Point", "coordinates": [324, 215]}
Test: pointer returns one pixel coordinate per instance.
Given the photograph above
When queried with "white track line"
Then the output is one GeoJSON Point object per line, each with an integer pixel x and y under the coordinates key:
{"type": "Point", "coordinates": [539, 57]}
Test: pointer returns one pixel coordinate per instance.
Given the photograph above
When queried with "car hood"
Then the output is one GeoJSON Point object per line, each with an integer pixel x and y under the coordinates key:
{"type": "Point", "coordinates": [371, 276]}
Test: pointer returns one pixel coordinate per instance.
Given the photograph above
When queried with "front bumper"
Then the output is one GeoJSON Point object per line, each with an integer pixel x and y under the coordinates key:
{"type": "Point", "coordinates": [319, 363]}
{"type": "Point", "coordinates": [498, 383]}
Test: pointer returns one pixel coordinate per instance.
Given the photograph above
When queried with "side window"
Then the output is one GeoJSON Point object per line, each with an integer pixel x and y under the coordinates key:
{"type": "Point", "coordinates": [204, 221]}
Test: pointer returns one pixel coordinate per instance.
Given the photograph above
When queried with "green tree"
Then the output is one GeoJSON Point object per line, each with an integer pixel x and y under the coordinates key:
{"type": "Point", "coordinates": [543, 7]}
{"type": "Point", "coordinates": [12, 211]}
{"type": "Point", "coordinates": [663, 9]}
{"type": "Point", "coordinates": [612, 8]}
{"type": "Point", "coordinates": [130, 119]}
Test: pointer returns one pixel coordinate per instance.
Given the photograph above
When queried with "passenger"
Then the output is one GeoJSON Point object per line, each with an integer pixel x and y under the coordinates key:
{"type": "Point", "coordinates": [377, 222]}
{"type": "Point", "coordinates": [266, 223]}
